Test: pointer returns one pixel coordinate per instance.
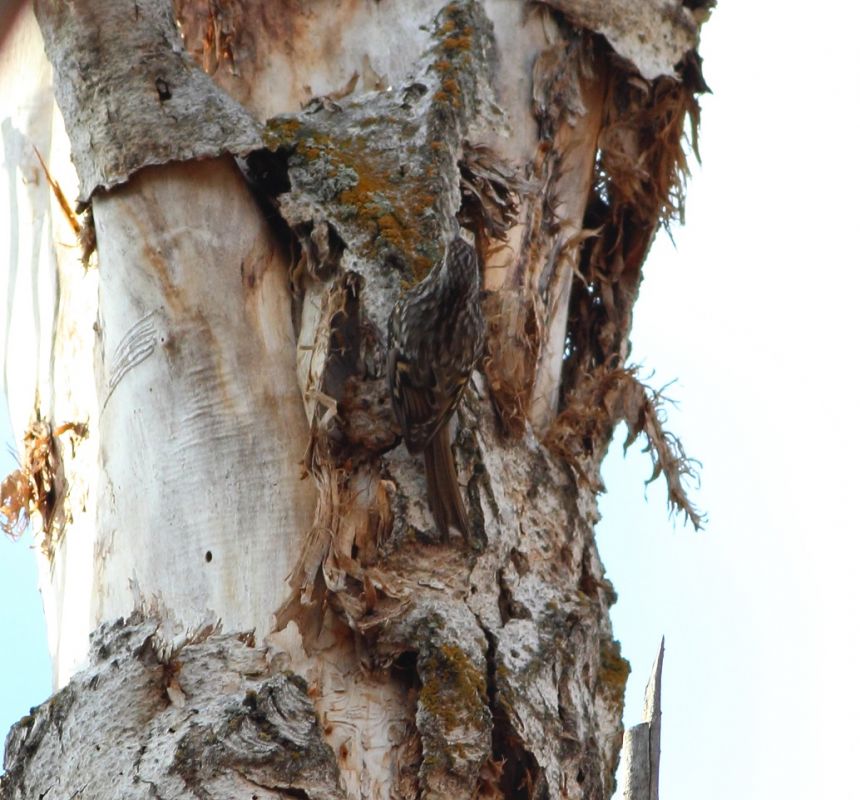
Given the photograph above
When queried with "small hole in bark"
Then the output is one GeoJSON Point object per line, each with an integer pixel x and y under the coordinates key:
{"type": "Point", "coordinates": [208, 556]}
{"type": "Point", "coordinates": [404, 668]}
{"type": "Point", "coordinates": [163, 89]}
{"type": "Point", "coordinates": [395, 262]}
{"type": "Point", "coordinates": [268, 172]}
{"type": "Point", "coordinates": [412, 92]}
{"type": "Point", "coordinates": [580, 777]}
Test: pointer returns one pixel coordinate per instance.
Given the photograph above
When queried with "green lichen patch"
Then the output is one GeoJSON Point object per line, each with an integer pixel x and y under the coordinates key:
{"type": "Point", "coordinates": [454, 690]}
{"type": "Point", "coordinates": [614, 671]}
{"type": "Point", "coordinates": [454, 718]}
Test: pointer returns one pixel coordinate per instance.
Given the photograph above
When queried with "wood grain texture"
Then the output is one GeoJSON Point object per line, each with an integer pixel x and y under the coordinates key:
{"type": "Point", "coordinates": [201, 421]}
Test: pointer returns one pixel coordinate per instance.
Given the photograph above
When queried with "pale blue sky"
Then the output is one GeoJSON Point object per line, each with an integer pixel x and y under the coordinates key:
{"type": "Point", "coordinates": [25, 670]}
{"type": "Point", "coordinates": [755, 314]}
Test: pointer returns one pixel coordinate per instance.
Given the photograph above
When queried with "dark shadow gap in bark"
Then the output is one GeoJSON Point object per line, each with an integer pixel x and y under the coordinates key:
{"type": "Point", "coordinates": [409, 754]}
{"type": "Point", "coordinates": [509, 608]}
{"type": "Point", "coordinates": [267, 175]}
{"type": "Point", "coordinates": [520, 777]}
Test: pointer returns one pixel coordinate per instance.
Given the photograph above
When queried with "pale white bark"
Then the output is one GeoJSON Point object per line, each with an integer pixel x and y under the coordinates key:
{"type": "Point", "coordinates": [47, 331]}
{"type": "Point", "coordinates": [198, 398]}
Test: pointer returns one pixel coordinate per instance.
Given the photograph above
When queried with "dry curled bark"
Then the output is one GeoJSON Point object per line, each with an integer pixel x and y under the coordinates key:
{"type": "Point", "coordinates": [242, 330]}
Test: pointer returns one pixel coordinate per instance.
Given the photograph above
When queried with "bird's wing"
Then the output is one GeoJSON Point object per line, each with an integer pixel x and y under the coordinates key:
{"type": "Point", "coordinates": [420, 404]}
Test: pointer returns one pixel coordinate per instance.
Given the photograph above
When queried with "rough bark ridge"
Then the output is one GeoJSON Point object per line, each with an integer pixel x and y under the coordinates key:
{"type": "Point", "coordinates": [165, 713]}
{"type": "Point", "coordinates": [399, 666]}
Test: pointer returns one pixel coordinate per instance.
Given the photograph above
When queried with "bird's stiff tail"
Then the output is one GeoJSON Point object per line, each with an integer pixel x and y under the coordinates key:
{"type": "Point", "coordinates": [443, 489]}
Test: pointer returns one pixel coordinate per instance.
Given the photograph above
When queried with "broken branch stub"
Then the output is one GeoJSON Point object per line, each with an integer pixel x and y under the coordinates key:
{"type": "Point", "coordinates": [639, 772]}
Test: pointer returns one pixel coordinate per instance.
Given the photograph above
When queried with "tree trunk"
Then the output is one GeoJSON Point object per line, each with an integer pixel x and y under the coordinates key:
{"type": "Point", "coordinates": [262, 182]}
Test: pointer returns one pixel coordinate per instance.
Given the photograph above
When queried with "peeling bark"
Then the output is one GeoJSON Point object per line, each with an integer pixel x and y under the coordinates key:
{"type": "Point", "coordinates": [137, 105]}
{"type": "Point", "coordinates": [655, 35]}
{"type": "Point", "coordinates": [241, 347]}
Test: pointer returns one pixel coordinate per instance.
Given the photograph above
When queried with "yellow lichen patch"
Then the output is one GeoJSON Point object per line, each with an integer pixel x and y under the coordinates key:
{"type": "Point", "coordinates": [451, 86]}
{"type": "Point", "coordinates": [405, 240]}
{"type": "Point", "coordinates": [389, 189]}
{"type": "Point", "coordinates": [393, 208]}
{"type": "Point", "coordinates": [455, 39]}
{"type": "Point", "coordinates": [449, 93]}
{"type": "Point", "coordinates": [280, 131]}
{"type": "Point", "coordinates": [454, 34]}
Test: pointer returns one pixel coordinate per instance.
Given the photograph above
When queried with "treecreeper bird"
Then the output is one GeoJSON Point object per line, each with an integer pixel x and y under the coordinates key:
{"type": "Point", "coordinates": [435, 338]}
